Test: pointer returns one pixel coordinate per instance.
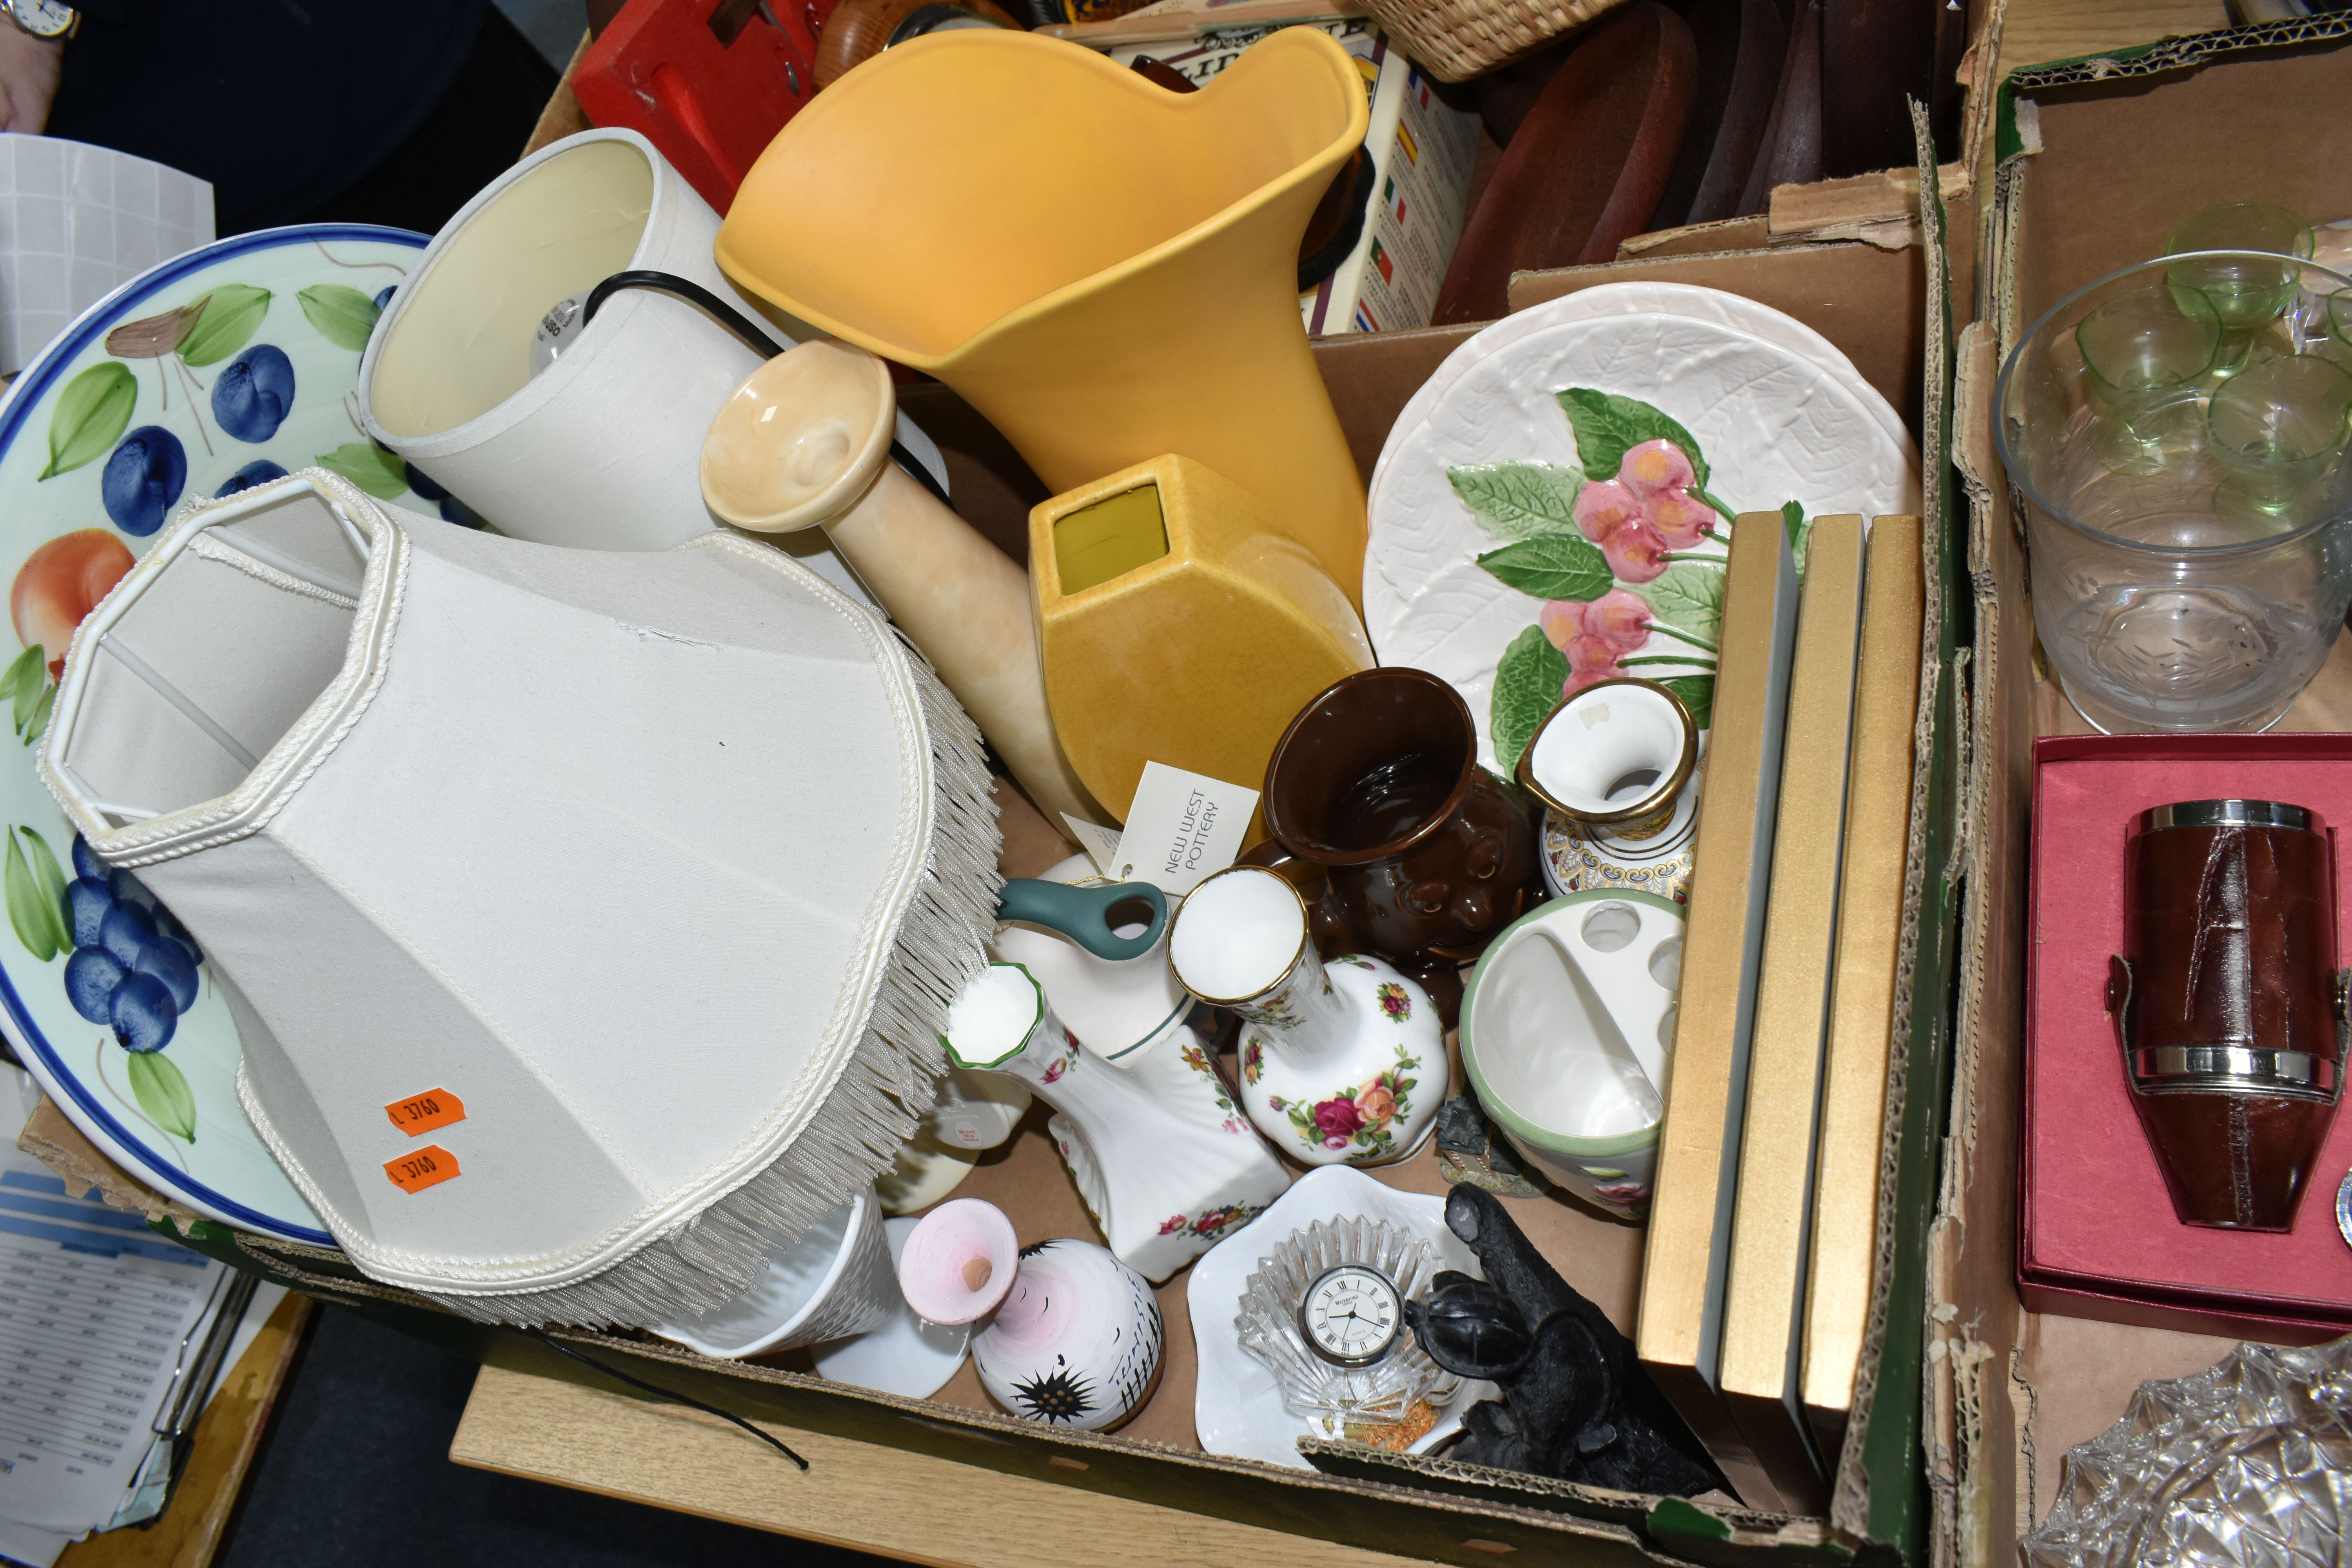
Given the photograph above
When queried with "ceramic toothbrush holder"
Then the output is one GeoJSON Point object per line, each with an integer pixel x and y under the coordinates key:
{"type": "Point", "coordinates": [1068, 1335]}
{"type": "Point", "coordinates": [1567, 1028]}
{"type": "Point", "coordinates": [1342, 1063]}
{"type": "Point", "coordinates": [1165, 1161]}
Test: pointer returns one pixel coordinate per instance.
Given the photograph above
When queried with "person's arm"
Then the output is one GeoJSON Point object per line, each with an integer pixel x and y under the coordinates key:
{"type": "Point", "coordinates": [29, 68]}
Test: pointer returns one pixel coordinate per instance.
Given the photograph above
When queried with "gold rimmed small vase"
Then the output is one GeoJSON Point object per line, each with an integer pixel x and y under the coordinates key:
{"type": "Point", "coordinates": [1613, 758]}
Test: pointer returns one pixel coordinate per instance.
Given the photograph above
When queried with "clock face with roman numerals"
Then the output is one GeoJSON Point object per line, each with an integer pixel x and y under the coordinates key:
{"type": "Point", "coordinates": [1351, 1315]}
{"type": "Point", "coordinates": [43, 19]}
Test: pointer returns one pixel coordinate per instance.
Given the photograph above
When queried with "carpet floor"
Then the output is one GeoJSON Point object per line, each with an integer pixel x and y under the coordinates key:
{"type": "Point", "coordinates": [355, 1473]}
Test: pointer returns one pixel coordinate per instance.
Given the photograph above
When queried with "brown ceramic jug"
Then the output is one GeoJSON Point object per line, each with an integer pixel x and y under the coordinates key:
{"type": "Point", "coordinates": [1426, 855]}
{"type": "Point", "coordinates": [2229, 1007]}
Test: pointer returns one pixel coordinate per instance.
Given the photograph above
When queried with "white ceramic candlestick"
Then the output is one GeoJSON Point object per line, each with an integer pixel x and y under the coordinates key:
{"type": "Point", "coordinates": [1075, 1336]}
{"type": "Point", "coordinates": [1165, 1161]}
{"type": "Point", "coordinates": [806, 441]}
{"type": "Point", "coordinates": [1342, 1063]}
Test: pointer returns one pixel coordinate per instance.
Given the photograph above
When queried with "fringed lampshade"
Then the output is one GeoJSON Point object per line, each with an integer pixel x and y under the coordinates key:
{"type": "Point", "coordinates": [590, 920]}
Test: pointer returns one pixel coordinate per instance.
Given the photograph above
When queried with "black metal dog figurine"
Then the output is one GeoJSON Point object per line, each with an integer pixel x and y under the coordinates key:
{"type": "Point", "coordinates": [1575, 1405]}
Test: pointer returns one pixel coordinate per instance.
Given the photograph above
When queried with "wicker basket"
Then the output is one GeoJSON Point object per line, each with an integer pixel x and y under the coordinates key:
{"type": "Point", "coordinates": [1454, 40]}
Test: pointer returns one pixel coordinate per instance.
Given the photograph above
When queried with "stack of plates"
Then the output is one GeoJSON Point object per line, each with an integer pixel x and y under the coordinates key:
{"type": "Point", "coordinates": [1775, 412]}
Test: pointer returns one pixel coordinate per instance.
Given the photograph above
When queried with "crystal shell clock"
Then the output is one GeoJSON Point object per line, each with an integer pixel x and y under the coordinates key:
{"type": "Point", "coordinates": [1323, 1313]}
{"type": "Point", "coordinates": [1351, 1315]}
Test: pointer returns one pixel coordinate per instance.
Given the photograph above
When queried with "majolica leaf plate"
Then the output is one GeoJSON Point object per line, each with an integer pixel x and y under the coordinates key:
{"type": "Point", "coordinates": [1751, 318]}
{"type": "Point", "coordinates": [1561, 513]}
{"type": "Point", "coordinates": [224, 367]}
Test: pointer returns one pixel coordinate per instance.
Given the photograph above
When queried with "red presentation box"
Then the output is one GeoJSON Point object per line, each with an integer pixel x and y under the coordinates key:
{"type": "Point", "coordinates": [2096, 1235]}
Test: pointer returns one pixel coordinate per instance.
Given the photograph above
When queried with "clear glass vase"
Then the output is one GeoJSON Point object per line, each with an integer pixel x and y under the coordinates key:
{"type": "Point", "coordinates": [2164, 603]}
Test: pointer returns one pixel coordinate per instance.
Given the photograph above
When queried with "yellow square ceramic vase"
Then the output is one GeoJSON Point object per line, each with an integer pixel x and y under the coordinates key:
{"type": "Point", "coordinates": [1178, 624]}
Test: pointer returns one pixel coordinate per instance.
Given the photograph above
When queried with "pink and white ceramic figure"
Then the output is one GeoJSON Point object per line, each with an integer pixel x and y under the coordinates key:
{"type": "Point", "coordinates": [1341, 1063]}
{"type": "Point", "coordinates": [1075, 1336]}
{"type": "Point", "coordinates": [1165, 1161]}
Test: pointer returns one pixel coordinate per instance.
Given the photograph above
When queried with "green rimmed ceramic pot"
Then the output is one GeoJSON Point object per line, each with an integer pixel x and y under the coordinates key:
{"type": "Point", "coordinates": [1567, 1031]}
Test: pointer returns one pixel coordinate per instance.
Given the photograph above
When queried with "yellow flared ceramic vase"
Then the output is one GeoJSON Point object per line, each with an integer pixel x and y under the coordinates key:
{"type": "Point", "coordinates": [1105, 269]}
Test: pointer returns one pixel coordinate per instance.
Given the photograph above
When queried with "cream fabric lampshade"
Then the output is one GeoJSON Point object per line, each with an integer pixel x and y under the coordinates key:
{"type": "Point", "coordinates": [600, 449]}
{"type": "Point", "coordinates": [545, 830]}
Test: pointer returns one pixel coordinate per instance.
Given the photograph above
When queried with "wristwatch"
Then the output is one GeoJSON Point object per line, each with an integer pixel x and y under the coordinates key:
{"type": "Point", "coordinates": [45, 18]}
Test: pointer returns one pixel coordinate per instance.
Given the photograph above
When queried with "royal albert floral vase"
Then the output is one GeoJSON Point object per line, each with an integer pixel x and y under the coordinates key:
{"type": "Point", "coordinates": [1341, 1063]}
{"type": "Point", "coordinates": [1165, 1161]}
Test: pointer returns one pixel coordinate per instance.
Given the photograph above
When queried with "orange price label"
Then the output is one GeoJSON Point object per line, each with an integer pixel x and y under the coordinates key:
{"type": "Point", "coordinates": [428, 1167]}
{"type": "Point", "coordinates": [435, 1108]}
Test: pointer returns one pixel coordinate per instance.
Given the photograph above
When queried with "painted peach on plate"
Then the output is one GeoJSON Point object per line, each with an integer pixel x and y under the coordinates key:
{"type": "Point", "coordinates": [59, 584]}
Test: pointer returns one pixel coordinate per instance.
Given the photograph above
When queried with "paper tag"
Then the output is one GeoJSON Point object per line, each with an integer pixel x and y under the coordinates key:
{"type": "Point", "coordinates": [1182, 827]}
{"type": "Point", "coordinates": [424, 1113]}
{"type": "Point", "coordinates": [429, 1167]}
{"type": "Point", "coordinates": [1101, 843]}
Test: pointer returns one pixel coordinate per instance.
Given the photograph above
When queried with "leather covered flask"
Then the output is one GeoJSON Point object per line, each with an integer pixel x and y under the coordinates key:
{"type": "Point", "coordinates": [2230, 1004]}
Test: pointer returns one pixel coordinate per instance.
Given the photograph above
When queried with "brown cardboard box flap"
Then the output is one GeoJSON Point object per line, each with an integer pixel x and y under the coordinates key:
{"type": "Point", "coordinates": [58, 1143]}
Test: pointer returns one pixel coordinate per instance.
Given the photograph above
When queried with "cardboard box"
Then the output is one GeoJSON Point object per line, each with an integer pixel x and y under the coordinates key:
{"type": "Point", "coordinates": [2098, 159]}
{"type": "Point", "coordinates": [1429, 1508]}
{"type": "Point", "coordinates": [1880, 1505]}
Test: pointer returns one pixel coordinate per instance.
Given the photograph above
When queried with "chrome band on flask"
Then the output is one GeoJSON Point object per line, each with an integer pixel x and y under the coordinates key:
{"type": "Point", "coordinates": [2230, 813]}
{"type": "Point", "coordinates": [2235, 1069]}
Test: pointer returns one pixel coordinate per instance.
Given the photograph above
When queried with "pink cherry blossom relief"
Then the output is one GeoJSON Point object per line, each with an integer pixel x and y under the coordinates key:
{"type": "Point", "coordinates": [1623, 557]}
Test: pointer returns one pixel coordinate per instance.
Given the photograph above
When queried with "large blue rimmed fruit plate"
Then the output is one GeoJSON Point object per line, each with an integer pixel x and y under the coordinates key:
{"type": "Point", "coordinates": [224, 367]}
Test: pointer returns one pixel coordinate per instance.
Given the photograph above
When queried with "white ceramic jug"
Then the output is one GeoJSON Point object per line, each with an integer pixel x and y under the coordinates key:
{"type": "Point", "coordinates": [1118, 1006]}
{"type": "Point", "coordinates": [1163, 1158]}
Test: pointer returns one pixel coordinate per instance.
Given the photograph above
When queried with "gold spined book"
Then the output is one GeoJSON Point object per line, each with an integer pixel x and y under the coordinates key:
{"type": "Point", "coordinates": [1772, 1208]}
{"type": "Point", "coordinates": [1678, 1335]}
{"type": "Point", "coordinates": [1861, 998]}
